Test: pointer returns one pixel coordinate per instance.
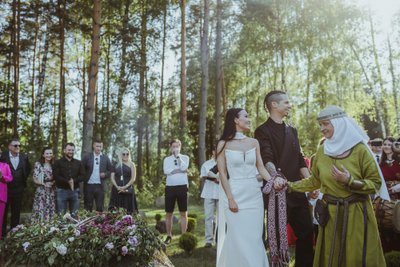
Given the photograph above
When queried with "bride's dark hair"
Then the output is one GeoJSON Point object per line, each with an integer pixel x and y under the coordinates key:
{"type": "Point", "coordinates": [229, 126]}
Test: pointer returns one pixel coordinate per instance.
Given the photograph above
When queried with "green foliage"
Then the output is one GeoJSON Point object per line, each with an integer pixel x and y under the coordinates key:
{"type": "Point", "coordinates": [188, 242]}
{"type": "Point", "coordinates": [191, 226]}
{"type": "Point", "coordinates": [101, 239]}
{"type": "Point", "coordinates": [192, 215]}
{"type": "Point", "coordinates": [157, 217]}
{"type": "Point", "coordinates": [392, 258]}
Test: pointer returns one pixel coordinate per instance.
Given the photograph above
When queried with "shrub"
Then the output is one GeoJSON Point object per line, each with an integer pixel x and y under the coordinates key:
{"type": "Point", "coordinates": [157, 217]}
{"type": "Point", "coordinates": [192, 215]}
{"type": "Point", "coordinates": [392, 258]}
{"type": "Point", "coordinates": [95, 241]}
{"type": "Point", "coordinates": [188, 242]}
{"type": "Point", "coordinates": [192, 223]}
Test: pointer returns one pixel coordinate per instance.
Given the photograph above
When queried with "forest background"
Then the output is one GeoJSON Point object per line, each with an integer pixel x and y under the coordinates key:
{"type": "Point", "coordinates": [138, 73]}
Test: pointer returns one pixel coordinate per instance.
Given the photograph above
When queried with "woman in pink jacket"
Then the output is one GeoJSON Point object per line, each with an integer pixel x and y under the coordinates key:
{"type": "Point", "coordinates": [5, 177]}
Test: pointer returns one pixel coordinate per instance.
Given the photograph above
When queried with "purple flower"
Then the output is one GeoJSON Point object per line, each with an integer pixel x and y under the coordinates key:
{"type": "Point", "coordinates": [25, 246]}
{"type": "Point", "coordinates": [124, 250]}
{"type": "Point", "coordinates": [133, 241]}
{"type": "Point", "coordinates": [131, 227]}
{"type": "Point", "coordinates": [16, 228]}
{"type": "Point", "coordinates": [109, 246]}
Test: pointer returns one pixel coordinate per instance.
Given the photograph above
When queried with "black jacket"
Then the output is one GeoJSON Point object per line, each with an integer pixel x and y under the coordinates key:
{"type": "Point", "coordinates": [290, 159]}
{"type": "Point", "coordinates": [105, 166]}
{"type": "Point", "coordinates": [20, 175]}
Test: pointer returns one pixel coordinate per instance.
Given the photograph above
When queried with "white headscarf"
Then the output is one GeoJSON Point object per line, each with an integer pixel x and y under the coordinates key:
{"type": "Point", "coordinates": [346, 135]}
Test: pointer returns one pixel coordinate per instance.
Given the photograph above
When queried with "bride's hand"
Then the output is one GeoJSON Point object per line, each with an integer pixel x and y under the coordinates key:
{"type": "Point", "coordinates": [232, 205]}
{"type": "Point", "coordinates": [279, 183]}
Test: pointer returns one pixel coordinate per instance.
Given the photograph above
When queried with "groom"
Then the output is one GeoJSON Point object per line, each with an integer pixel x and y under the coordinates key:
{"type": "Point", "coordinates": [280, 151]}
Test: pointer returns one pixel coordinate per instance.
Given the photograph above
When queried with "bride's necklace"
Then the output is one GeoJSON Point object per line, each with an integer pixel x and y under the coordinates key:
{"type": "Point", "coordinates": [239, 136]}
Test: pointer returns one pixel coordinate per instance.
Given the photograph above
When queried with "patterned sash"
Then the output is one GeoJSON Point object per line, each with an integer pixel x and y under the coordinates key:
{"type": "Point", "coordinates": [279, 257]}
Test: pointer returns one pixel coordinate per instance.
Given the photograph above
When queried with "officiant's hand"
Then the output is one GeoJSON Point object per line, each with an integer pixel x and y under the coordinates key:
{"type": "Point", "coordinates": [232, 205]}
{"type": "Point", "coordinates": [339, 176]}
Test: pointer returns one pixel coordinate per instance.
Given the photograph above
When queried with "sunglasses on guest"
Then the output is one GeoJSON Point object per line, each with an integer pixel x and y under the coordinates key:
{"type": "Point", "coordinates": [125, 154]}
{"type": "Point", "coordinates": [16, 146]}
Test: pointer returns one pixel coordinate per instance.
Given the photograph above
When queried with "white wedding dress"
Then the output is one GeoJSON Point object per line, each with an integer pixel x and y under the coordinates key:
{"type": "Point", "coordinates": [240, 243]}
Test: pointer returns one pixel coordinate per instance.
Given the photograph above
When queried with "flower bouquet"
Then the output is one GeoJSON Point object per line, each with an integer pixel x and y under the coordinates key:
{"type": "Point", "coordinates": [97, 239]}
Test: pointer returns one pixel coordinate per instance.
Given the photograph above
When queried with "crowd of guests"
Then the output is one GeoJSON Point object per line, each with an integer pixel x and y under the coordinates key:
{"type": "Point", "coordinates": [58, 182]}
{"type": "Point", "coordinates": [347, 168]}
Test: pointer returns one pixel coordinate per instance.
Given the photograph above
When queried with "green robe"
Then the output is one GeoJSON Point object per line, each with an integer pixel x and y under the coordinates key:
{"type": "Point", "coordinates": [361, 166]}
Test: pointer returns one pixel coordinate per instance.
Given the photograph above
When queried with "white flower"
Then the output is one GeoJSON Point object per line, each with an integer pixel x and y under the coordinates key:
{"type": "Point", "coordinates": [25, 246]}
{"type": "Point", "coordinates": [77, 233]}
{"type": "Point", "coordinates": [16, 228]}
{"type": "Point", "coordinates": [124, 250]}
{"type": "Point", "coordinates": [127, 217]}
{"type": "Point", "coordinates": [61, 249]}
{"type": "Point", "coordinates": [109, 246]}
{"type": "Point", "coordinates": [53, 229]}
{"type": "Point", "coordinates": [71, 239]}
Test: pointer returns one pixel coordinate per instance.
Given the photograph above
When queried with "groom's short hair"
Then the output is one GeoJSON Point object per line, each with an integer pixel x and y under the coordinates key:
{"type": "Point", "coordinates": [273, 96]}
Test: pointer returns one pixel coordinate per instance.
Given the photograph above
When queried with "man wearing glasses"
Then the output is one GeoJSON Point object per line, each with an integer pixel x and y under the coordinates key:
{"type": "Point", "coordinates": [175, 168]}
{"type": "Point", "coordinates": [97, 168]}
{"type": "Point", "coordinates": [20, 169]}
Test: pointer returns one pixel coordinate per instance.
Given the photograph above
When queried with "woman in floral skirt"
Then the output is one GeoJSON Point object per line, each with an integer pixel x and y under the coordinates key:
{"type": "Point", "coordinates": [44, 203]}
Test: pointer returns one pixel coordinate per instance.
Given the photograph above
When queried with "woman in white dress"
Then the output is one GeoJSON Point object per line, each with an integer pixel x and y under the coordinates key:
{"type": "Point", "coordinates": [241, 207]}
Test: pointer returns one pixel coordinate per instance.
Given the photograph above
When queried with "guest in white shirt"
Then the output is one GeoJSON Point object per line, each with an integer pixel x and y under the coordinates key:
{"type": "Point", "coordinates": [210, 195]}
{"type": "Point", "coordinates": [98, 168]}
{"type": "Point", "coordinates": [175, 168]}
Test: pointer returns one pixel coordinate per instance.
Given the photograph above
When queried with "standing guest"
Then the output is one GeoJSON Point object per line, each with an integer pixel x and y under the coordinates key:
{"type": "Point", "coordinates": [44, 203]}
{"type": "Point", "coordinates": [97, 167]}
{"type": "Point", "coordinates": [124, 175]}
{"type": "Point", "coordinates": [175, 168]}
{"type": "Point", "coordinates": [210, 196]}
{"type": "Point", "coordinates": [347, 173]}
{"type": "Point", "coordinates": [5, 177]}
{"type": "Point", "coordinates": [390, 167]}
{"type": "Point", "coordinates": [280, 151]}
{"type": "Point", "coordinates": [376, 147]}
{"type": "Point", "coordinates": [68, 173]}
{"type": "Point", "coordinates": [20, 170]}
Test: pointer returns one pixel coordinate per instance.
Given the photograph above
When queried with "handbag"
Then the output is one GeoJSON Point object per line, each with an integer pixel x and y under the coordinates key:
{"type": "Point", "coordinates": [40, 176]}
{"type": "Point", "coordinates": [321, 212]}
{"type": "Point", "coordinates": [129, 190]}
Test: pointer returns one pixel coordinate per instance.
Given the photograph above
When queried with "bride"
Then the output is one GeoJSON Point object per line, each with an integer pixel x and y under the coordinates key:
{"type": "Point", "coordinates": [241, 210]}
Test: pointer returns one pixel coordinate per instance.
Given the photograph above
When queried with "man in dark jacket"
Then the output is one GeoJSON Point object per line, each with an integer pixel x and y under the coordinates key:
{"type": "Point", "coordinates": [20, 170]}
{"type": "Point", "coordinates": [280, 151]}
{"type": "Point", "coordinates": [68, 173]}
{"type": "Point", "coordinates": [97, 167]}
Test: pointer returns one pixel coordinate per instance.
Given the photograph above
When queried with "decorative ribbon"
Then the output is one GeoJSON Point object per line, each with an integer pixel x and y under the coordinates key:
{"type": "Point", "coordinates": [279, 257]}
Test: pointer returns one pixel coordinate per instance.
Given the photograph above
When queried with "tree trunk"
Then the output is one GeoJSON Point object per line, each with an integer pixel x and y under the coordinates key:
{"type": "Point", "coordinates": [39, 94]}
{"type": "Point", "coordinates": [161, 104]}
{"type": "Point", "coordinates": [370, 90]}
{"type": "Point", "coordinates": [93, 71]}
{"type": "Point", "coordinates": [123, 81]}
{"type": "Point", "coordinates": [183, 117]}
{"type": "Point", "coordinates": [204, 83]}
{"type": "Point", "coordinates": [16, 50]}
{"type": "Point", "coordinates": [61, 120]}
{"type": "Point", "coordinates": [140, 123]}
{"type": "Point", "coordinates": [394, 87]}
{"type": "Point", "coordinates": [218, 82]}
{"type": "Point", "coordinates": [382, 102]}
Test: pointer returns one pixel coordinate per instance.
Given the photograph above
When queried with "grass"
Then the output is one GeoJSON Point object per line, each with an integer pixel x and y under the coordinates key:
{"type": "Point", "coordinates": [202, 257]}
